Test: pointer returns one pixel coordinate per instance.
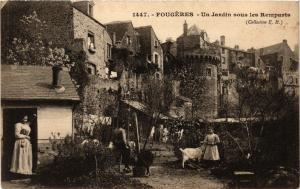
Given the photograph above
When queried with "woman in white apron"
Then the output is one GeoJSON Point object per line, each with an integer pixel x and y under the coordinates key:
{"type": "Point", "coordinates": [22, 155]}
{"type": "Point", "coordinates": [211, 154]}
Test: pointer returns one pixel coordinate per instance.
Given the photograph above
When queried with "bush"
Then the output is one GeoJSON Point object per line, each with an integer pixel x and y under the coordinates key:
{"type": "Point", "coordinates": [76, 161]}
{"type": "Point", "coordinates": [282, 177]}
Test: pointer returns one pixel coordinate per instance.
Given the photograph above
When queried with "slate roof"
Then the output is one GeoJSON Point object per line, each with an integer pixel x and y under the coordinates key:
{"type": "Point", "coordinates": [34, 83]}
{"type": "Point", "coordinates": [143, 30]}
{"type": "Point", "coordinates": [272, 49]}
{"type": "Point", "coordinates": [118, 27]}
{"type": "Point", "coordinates": [142, 108]}
{"type": "Point", "coordinates": [234, 49]}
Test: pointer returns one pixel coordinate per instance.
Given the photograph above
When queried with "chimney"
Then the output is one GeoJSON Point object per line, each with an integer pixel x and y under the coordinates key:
{"type": "Point", "coordinates": [284, 41]}
{"type": "Point", "coordinates": [261, 51]}
{"type": "Point", "coordinates": [85, 6]}
{"type": "Point", "coordinates": [251, 50]}
{"type": "Point", "coordinates": [236, 47]}
{"type": "Point", "coordinates": [114, 38]}
{"type": "Point", "coordinates": [222, 40]}
{"type": "Point", "coordinates": [56, 77]}
{"type": "Point", "coordinates": [185, 28]}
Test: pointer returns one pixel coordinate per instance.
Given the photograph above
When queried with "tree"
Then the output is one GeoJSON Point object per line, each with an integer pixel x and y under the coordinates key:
{"type": "Point", "coordinates": [158, 98]}
{"type": "Point", "coordinates": [193, 86]}
{"type": "Point", "coordinates": [259, 102]}
{"type": "Point", "coordinates": [31, 47]}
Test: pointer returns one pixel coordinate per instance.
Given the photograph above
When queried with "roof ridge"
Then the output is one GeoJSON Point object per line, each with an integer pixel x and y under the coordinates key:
{"type": "Point", "coordinates": [276, 44]}
{"type": "Point", "coordinates": [119, 22]}
{"type": "Point", "coordinates": [143, 26]}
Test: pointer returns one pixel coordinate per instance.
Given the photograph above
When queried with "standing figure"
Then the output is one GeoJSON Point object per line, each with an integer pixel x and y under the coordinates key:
{"type": "Point", "coordinates": [161, 133]}
{"type": "Point", "coordinates": [165, 135]}
{"type": "Point", "coordinates": [21, 162]}
{"type": "Point", "coordinates": [211, 153]}
{"type": "Point", "coordinates": [152, 135]}
{"type": "Point", "coordinates": [120, 142]}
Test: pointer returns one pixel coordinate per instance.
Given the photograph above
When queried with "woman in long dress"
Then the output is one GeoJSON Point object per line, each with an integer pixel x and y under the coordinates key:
{"type": "Point", "coordinates": [211, 154]}
{"type": "Point", "coordinates": [22, 155]}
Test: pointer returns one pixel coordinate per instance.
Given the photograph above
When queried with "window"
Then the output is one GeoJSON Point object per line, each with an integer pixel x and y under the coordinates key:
{"type": "Point", "coordinates": [224, 90]}
{"type": "Point", "coordinates": [269, 68]}
{"type": "Point", "coordinates": [91, 41]}
{"type": "Point", "coordinates": [296, 80]}
{"type": "Point", "coordinates": [223, 51]}
{"type": "Point", "coordinates": [259, 62]}
{"type": "Point", "coordinates": [155, 43]}
{"type": "Point", "coordinates": [157, 75]}
{"type": "Point", "coordinates": [208, 72]}
{"type": "Point", "coordinates": [225, 72]}
{"type": "Point", "coordinates": [128, 40]}
{"type": "Point", "coordinates": [290, 80]}
{"type": "Point", "coordinates": [223, 60]}
{"type": "Point", "coordinates": [91, 68]}
{"type": "Point", "coordinates": [149, 58]}
{"type": "Point", "coordinates": [156, 58]}
{"type": "Point", "coordinates": [108, 50]}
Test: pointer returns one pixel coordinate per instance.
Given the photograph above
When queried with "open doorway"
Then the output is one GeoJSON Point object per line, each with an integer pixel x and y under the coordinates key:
{"type": "Point", "coordinates": [11, 116]}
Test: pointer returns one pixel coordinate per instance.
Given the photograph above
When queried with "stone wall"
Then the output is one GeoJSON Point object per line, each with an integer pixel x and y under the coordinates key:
{"type": "Point", "coordinates": [147, 38]}
{"type": "Point", "coordinates": [98, 97]}
{"type": "Point", "coordinates": [84, 25]}
{"type": "Point", "coordinates": [157, 49]}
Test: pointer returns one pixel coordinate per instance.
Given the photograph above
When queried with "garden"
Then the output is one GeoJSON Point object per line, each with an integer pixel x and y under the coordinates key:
{"type": "Point", "coordinates": [271, 153]}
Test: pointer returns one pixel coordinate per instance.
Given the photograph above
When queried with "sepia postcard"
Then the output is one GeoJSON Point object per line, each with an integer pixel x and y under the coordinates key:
{"type": "Point", "coordinates": [149, 94]}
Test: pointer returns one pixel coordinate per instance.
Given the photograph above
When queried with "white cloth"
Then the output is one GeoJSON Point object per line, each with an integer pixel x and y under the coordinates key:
{"type": "Point", "coordinates": [22, 155]}
{"type": "Point", "coordinates": [165, 135]}
{"type": "Point", "coordinates": [211, 149]}
{"type": "Point", "coordinates": [152, 132]}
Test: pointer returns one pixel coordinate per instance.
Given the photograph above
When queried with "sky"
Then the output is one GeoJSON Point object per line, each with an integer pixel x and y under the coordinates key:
{"type": "Point", "coordinates": [235, 29]}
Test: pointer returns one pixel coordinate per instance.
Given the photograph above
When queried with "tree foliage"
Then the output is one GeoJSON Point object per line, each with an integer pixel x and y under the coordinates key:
{"type": "Point", "coordinates": [31, 47]}
{"type": "Point", "coordinates": [259, 103]}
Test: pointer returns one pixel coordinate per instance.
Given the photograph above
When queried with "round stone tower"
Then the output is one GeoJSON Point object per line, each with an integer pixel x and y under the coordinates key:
{"type": "Point", "coordinates": [203, 60]}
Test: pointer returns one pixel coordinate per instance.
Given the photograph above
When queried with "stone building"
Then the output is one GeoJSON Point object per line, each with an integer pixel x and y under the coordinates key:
{"type": "Point", "coordinates": [150, 48]}
{"type": "Point", "coordinates": [280, 60]}
{"type": "Point", "coordinates": [170, 53]}
{"type": "Point", "coordinates": [126, 63]}
{"type": "Point", "coordinates": [136, 54]}
{"type": "Point", "coordinates": [232, 60]}
{"type": "Point", "coordinates": [276, 63]}
{"type": "Point", "coordinates": [195, 51]}
{"type": "Point", "coordinates": [33, 91]}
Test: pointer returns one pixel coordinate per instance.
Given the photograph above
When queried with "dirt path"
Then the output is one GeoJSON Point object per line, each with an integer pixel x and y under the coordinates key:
{"type": "Point", "coordinates": [167, 174]}
{"type": "Point", "coordinates": [179, 178]}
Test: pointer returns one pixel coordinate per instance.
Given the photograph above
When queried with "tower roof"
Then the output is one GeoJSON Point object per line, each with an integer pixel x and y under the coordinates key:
{"type": "Point", "coordinates": [194, 30]}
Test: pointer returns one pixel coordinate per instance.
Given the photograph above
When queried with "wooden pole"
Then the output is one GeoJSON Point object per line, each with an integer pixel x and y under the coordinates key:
{"type": "Point", "coordinates": [137, 132]}
{"type": "Point", "coordinates": [128, 123]}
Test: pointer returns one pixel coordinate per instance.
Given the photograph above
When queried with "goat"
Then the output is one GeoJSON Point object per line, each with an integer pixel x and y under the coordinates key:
{"type": "Point", "coordinates": [192, 153]}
